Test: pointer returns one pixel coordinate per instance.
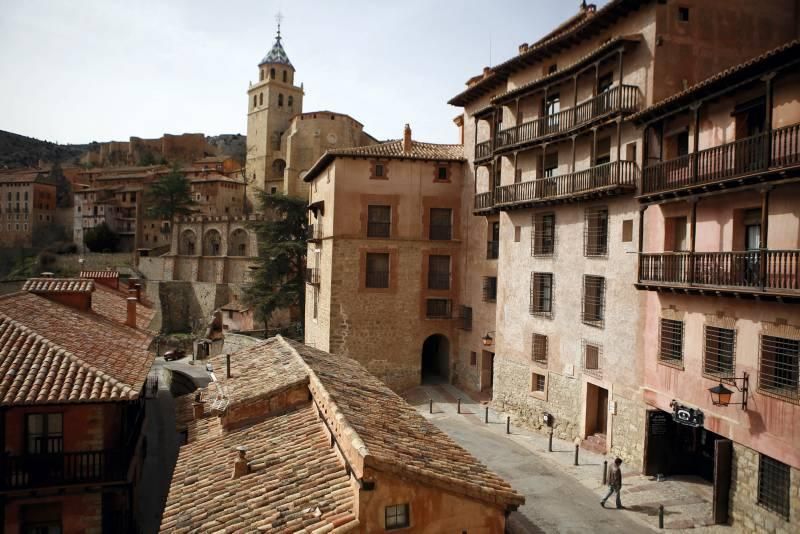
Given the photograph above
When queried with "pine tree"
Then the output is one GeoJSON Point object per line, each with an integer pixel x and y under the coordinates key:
{"type": "Point", "coordinates": [169, 196]}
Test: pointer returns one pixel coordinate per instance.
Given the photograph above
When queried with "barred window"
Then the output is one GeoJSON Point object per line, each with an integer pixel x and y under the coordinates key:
{"type": "Point", "coordinates": [773, 485]}
{"type": "Point", "coordinates": [539, 348]}
{"type": "Point", "coordinates": [595, 232]}
{"type": "Point", "coordinates": [591, 359]}
{"type": "Point", "coordinates": [489, 288]}
{"type": "Point", "coordinates": [379, 221]}
{"type": "Point", "coordinates": [671, 342]}
{"type": "Point", "coordinates": [441, 224]}
{"type": "Point", "coordinates": [537, 383]}
{"type": "Point", "coordinates": [437, 308]}
{"type": "Point", "coordinates": [438, 272]}
{"type": "Point", "coordinates": [541, 294]}
{"type": "Point", "coordinates": [377, 270]}
{"type": "Point", "coordinates": [396, 516]}
{"type": "Point", "coordinates": [594, 289]}
{"type": "Point", "coordinates": [778, 372]}
{"type": "Point", "coordinates": [543, 236]}
{"type": "Point", "coordinates": [465, 317]}
{"type": "Point", "coordinates": [718, 356]}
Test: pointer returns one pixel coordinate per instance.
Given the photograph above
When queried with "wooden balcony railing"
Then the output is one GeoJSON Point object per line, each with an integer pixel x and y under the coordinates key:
{"type": "Point", "coordinates": [774, 149]}
{"type": "Point", "coordinates": [312, 276]}
{"type": "Point", "coordinates": [483, 150]}
{"type": "Point", "coordinates": [762, 270]}
{"type": "Point", "coordinates": [314, 232]}
{"type": "Point", "coordinates": [66, 468]}
{"type": "Point", "coordinates": [484, 201]}
{"type": "Point", "coordinates": [615, 173]}
{"type": "Point", "coordinates": [615, 100]}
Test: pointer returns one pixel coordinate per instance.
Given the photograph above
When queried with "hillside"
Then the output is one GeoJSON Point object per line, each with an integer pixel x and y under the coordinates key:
{"type": "Point", "coordinates": [20, 151]}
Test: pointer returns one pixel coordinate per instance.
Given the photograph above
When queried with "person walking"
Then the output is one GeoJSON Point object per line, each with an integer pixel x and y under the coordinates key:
{"type": "Point", "coordinates": [614, 482]}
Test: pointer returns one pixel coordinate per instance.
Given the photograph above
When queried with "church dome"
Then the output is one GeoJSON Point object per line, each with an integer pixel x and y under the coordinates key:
{"type": "Point", "coordinates": [277, 55]}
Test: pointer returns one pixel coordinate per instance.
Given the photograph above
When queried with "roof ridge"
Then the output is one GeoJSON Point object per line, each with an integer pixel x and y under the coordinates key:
{"type": "Point", "coordinates": [127, 388]}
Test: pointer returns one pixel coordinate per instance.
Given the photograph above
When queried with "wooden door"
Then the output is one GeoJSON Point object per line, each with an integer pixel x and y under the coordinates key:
{"type": "Point", "coordinates": [723, 451]}
{"type": "Point", "coordinates": [602, 411]}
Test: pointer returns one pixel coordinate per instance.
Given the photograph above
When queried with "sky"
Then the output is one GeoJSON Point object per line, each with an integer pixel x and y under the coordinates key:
{"type": "Point", "coordinates": [75, 71]}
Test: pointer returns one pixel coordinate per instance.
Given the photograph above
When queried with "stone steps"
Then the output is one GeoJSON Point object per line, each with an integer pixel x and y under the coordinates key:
{"type": "Point", "coordinates": [595, 443]}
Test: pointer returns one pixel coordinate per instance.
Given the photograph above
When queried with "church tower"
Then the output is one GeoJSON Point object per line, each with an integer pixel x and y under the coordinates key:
{"type": "Point", "coordinates": [272, 102]}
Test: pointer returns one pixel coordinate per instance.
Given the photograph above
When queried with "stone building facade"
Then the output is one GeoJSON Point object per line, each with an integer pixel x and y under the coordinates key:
{"type": "Point", "coordinates": [175, 148]}
{"type": "Point", "coordinates": [27, 204]}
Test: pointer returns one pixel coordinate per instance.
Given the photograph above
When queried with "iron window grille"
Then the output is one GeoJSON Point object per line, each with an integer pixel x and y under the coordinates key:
{"type": "Point", "coordinates": [465, 317]}
{"type": "Point", "coordinates": [438, 272]}
{"type": "Point", "coordinates": [441, 228]}
{"type": "Point", "coordinates": [538, 383]}
{"type": "Point", "coordinates": [437, 308]}
{"type": "Point", "coordinates": [396, 516]}
{"type": "Point", "coordinates": [594, 291]}
{"type": "Point", "coordinates": [778, 370]}
{"type": "Point", "coordinates": [489, 288]}
{"type": "Point", "coordinates": [543, 236]}
{"type": "Point", "coordinates": [541, 294]}
{"type": "Point", "coordinates": [539, 348]}
{"type": "Point", "coordinates": [595, 232]}
{"type": "Point", "coordinates": [379, 221]}
{"type": "Point", "coordinates": [773, 485]}
{"type": "Point", "coordinates": [592, 355]}
{"type": "Point", "coordinates": [671, 342]}
{"type": "Point", "coordinates": [719, 352]}
{"type": "Point", "coordinates": [377, 275]}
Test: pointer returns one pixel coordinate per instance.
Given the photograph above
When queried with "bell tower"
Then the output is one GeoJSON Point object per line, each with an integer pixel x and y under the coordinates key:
{"type": "Point", "coordinates": [271, 103]}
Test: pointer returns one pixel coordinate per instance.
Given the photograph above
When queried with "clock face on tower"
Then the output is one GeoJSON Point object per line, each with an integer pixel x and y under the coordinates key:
{"type": "Point", "coordinates": [332, 138]}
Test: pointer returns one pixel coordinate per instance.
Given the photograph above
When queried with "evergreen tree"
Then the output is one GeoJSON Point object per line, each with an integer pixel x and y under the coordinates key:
{"type": "Point", "coordinates": [101, 238]}
{"type": "Point", "coordinates": [279, 281]}
{"type": "Point", "coordinates": [169, 196]}
{"type": "Point", "coordinates": [63, 186]}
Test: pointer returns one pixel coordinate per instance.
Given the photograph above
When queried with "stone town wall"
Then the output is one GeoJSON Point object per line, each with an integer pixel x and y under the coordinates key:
{"type": "Point", "coordinates": [186, 306]}
{"type": "Point", "coordinates": [747, 515]}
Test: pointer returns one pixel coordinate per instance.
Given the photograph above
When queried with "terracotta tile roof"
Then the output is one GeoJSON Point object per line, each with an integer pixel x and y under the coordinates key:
{"type": "Point", "coordinates": [235, 305]}
{"type": "Point", "coordinates": [51, 353]}
{"type": "Point", "coordinates": [296, 482]}
{"type": "Point", "coordinates": [99, 274]}
{"type": "Point", "coordinates": [778, 57]}
{"type": "Point", "coordinates": [58, 285]}
{"type": "Point", "coordinates": [25, 176]}
{"type": "Point", "coordinates": [390, 150]}
{"type": "Point", "coordinates": [112, 304]}
{"type": "Point", "coordinates": [213, 159]}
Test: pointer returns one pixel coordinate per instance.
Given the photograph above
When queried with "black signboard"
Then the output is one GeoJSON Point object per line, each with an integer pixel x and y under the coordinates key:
{"type": "Point", "coordinates": [658, 423]}
{"type": "Point", "coordinates": [687, 416]}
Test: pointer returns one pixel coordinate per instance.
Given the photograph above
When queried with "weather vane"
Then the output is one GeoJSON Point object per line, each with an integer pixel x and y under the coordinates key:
{"type": "Point", "coordinates": [279, 19]}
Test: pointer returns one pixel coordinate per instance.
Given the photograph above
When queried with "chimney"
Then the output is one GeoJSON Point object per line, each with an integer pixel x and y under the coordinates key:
{"type": "Point", "coordinates": [138, 289]}
{"type": "Point", "coordinates": [240, 466]}
{"type": "Point", "coordinates": [197, 407]}
{"type": "Point", "coordinates": [523, 48]}
{"type": "Point", "coordinates": [47, 275]}
{"type": "Point", "coordinates": [487, 71]}
{"type": "Point", "coordinates": [131, 318]}
{"type": "Point", "coordinates": [407, 139]}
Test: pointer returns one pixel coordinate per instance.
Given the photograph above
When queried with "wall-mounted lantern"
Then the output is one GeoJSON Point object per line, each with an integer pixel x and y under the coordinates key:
{"type": "Point", "coordinates": [487, 339]}
{"type": "Point", "coordinates": [721, 396]}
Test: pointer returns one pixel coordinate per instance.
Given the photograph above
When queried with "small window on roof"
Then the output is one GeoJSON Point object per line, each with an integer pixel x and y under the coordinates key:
{"type": "Point", "coordinates": [683, 14]}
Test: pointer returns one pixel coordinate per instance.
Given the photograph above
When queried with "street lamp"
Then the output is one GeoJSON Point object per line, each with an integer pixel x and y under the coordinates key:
{"type": "Point", "coordinates": [487, 339]}
{"type": "Point", "coordinates": [721, 396]}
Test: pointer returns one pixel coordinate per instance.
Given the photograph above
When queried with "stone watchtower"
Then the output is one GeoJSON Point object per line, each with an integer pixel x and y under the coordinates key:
{"type": "Point", "coordinates": [272, 102]}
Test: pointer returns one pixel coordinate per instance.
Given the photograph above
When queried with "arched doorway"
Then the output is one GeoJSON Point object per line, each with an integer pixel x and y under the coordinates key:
{"type": "Point", "coordinates": [237, 242]}
{"type": "Point", "coordinates": [212, 243]}
{"type": "Point", "coordinates": [186, 244]}
{"type": "Point", "coordinates": [435, 359]}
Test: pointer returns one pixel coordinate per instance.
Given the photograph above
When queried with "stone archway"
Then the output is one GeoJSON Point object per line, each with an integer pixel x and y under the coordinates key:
{"type": "Point", "coordinates": [212, 243]}
{"type": "Point", "coordinates": [238, 242]}
{"type": "Point", "coordinates": [435, 359]}
{"type": "Point", "coordinates": [187, 244]}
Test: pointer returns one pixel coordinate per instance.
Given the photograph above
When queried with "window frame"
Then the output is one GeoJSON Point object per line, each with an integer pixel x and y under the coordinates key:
{"type": "Point", "coordinates": [543, 238]}
{"type": "Point", "coordinates": [672, 325]}
{"type": "Point", "coordinates": [777, 386]}
{"type": "Point", "coordinates": [542, 342]}
{"type": "Point", "coordinates": [369, 282]}
{"type": "Point", "coordinates": [593, 283]}
{"type": "Point", "coordinates": [538, 300]}
{"type": "Point", "coordinates": [725, 375]}
{"type": "Point", "coordinates": [767, 486]}
{"type": "Point", "coordinates": [595, 241]}
{"type": "Point", "coordinates": [379, 227]}
{"type": "Point", "coordinates": [489, 292]}
{"type": "Point", "coordinates": [433, 229]}
{"type": "Point", "coordinates": [398, 511]}
{"type": "Point", "coordinates": [438, 280]}
{"type": "Point", "coordinates": [45, 435]}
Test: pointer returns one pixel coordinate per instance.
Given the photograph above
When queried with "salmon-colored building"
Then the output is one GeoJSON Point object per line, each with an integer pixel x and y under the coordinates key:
{"type": "Point", "coordinates": [27, 206]}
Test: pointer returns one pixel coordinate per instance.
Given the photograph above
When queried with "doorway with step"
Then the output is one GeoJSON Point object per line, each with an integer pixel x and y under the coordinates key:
{"type": "Point", "coordinates": [596, 417]}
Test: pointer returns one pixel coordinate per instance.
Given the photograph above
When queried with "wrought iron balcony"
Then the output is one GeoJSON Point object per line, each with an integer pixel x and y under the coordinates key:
{"type": "Point", "coordinates": [757, 271]}
{"type": "Point", "coordinates": [748, 157]}
{"type": "Point", "coordinates": [615, 100]}
{"type": "Point", "coordinates": [312, 276]}
{"type": "Point", "coordinates": [65, 468]}
{"type": "Point", "coordinates": [606, 179]}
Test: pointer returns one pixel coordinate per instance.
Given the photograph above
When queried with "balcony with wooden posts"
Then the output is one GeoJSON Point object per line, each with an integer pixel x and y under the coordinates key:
{"type": "Point", "coordinates": [607, 179]}
{"type": "Point", "coordinates": [760, 158]}
{"type": "Point", "coordinates": [484, 203]}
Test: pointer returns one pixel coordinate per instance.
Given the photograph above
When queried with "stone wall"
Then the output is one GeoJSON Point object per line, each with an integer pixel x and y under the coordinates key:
{"type": "Point", "coordinates": [627, 427]}
{"type": "Point", "coordinates": [94, 261]}
{"type": "Point", "coordinates": [745, 513]}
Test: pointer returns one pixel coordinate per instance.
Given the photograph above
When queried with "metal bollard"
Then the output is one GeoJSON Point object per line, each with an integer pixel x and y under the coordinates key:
{"type": "Point", "coordinates": [486, 417]}
{"type": "Point", "coordinates": [430, 405]}
{"type": "Point", "coordinates": [577, 448]}
{"type": "Point", "coordinates": [550, 441]}
{"type": "Point", "coordinates": [660, 516]}
{"type": "Point", "coordinates": [508, 424]}
{"type": "Point", "coordinates": [459, 405]}
{"type": "Point", "coordinates": [605, 471]}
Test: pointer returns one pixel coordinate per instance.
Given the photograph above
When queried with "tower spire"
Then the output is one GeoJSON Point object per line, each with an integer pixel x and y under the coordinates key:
{"type": "Point", "coordinates": [278, 20]}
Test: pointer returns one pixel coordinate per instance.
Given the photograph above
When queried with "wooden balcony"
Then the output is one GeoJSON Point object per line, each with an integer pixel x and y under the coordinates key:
{"type": "Point", "coordinates": [483, 151]}
{"type": "Point", "coordinates": [616, 100]}
{"type": "Point", "coordinates": [758, 273]}
{"type": "Point", "coordinates": [602, 180]}
{"type": "Point", "coordinates": [484, 203]}
{"type": "Point", "coordinates": [313, 276]}
{"type": "Point", "coordinates": [742, 161]}
{"type": "Point", "coordinates": [63, 469]}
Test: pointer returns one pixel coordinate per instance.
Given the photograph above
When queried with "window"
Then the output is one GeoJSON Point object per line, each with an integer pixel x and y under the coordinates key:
{"type": "Point", "coordinates": [379, 170]}
{"type": "Point", "coordinates": [493, 245]}
{"type": "Point", "coordinates": [261, 75]}
{"type": "Point", "coordinates": [377, 270]}
{"type": "Point", "coordinates": [773, 485]}
{"type": "Point", "coordinates": [517, 234]}
{"type": "Point", "coordinates": [539, 348]}
{"type": "Point", "coordinates": [627, 230]}
{"type": "Point", "coordinates": [594, 289]}
{"type": "Point", "coordinates": [280, 100]}
{"type": "Point", "coordinates": [43, 518]}
{"type": "Point", "coordinates": [396, 516]}
{"type": "Point", "coordinates": [489, 288]}
{"type": "Point", "coordinates": [441, 173]}
{"type": "Point", "coordinates": [541, 294]}
{"type": "Point", "coordinates": [379, 221]}
{"type": "Point", "coordinates": [550, 165]}
{"type": "Point", "coordinates": [437, 308]}
{"type": "Point", "coordinates": [284, 76]}
{"type": "Point", "coordinates": [261, 99]}
{"type": "Point", "coordinates": [603, 155]}
{"type": "Point", "coordinates": [465, 318]}
{"type": "Point", "coordinates": [315, 298]}
{"type": "Point", "coordinates": [537, 383]}
{"type": "Point", "coordinates": [44, 432]}
{"type": "Point", "coordinates": [438, 272]}
{"type": "Point", "coordinates": [255, 100]}
{"type": "Point", "coordinates": [517, 176]}
{"type": "Point", "coordinates": [473, 358]}
{"type": "Point", "coordinates": [718, 354]}
{"type": "Point", "coordinates": [272, 74]}
{"type": "Point", "coordinates": [291, 101]}
{"type": "Point", "coordinates": [778, 370]}
{"type": "Point", "coordinates": [683, 14]}
{"type": "Point", "coordinates": [670, 348]}
{"type": "Point", "coordinates": [591, 359]}
{"type": "Point", "coordinates": [543, 237]}
{"type": "Point", "coordinates": [605, 82]}
{"type": "Point", "coordinates": [441, 224]}
{"type": "Point", "coordinates": [595, 232]}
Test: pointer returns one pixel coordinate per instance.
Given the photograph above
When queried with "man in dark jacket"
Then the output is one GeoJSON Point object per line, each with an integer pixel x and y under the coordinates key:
{"type": "Point", "coordinates": [614, 483]}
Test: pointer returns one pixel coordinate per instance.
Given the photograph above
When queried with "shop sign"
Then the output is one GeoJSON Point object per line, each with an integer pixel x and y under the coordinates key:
{"type": "Point", "coordinates": [687, 416]}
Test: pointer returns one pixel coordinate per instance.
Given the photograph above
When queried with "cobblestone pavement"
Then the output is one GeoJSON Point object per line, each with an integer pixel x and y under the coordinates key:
{"type": "Point", "coordinates": [562, 497]}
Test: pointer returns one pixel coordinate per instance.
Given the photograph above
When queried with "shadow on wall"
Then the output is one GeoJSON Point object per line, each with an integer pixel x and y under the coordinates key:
{"type": "Point", "coordinates": [187, 306]}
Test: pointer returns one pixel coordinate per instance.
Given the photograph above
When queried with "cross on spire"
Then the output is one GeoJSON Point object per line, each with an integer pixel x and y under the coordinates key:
{"type": "Point", "coordinates": [278, 20]}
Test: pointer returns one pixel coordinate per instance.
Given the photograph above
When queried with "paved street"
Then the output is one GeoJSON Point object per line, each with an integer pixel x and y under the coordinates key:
{"type": "Point", "coordinates": [560, 498]}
